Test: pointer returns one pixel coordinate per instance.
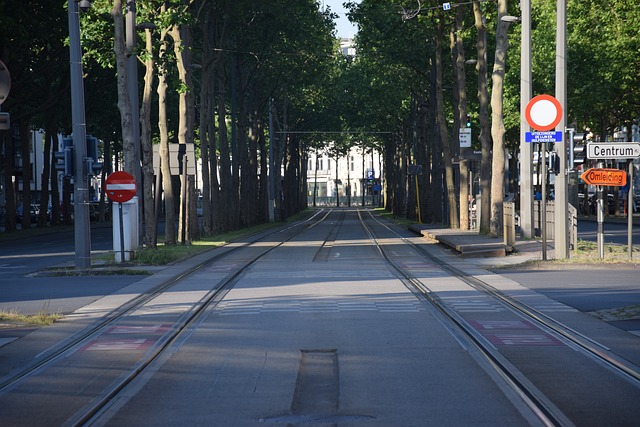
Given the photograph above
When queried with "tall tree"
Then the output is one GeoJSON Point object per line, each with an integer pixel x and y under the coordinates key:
{"type": "Point", "coordinates": [497, 122]}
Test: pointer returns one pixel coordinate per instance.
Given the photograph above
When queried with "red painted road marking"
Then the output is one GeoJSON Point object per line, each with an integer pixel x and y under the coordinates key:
{"type": "Point", "coordinates": [129, 329]}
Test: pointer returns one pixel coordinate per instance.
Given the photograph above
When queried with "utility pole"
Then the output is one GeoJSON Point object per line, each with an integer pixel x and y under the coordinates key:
{"type": "Point", "coordinates": [82, 226]}
{"type": "Point", "coordinates": [561, 209]}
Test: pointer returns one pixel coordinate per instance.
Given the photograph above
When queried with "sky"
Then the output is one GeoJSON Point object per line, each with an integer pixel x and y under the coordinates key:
{"type": "Point", "coordinates": [344, 28]}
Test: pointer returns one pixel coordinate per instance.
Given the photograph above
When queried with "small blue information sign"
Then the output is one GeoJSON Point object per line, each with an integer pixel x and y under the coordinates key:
{"type": "Point", "coordinates": [550, 136]}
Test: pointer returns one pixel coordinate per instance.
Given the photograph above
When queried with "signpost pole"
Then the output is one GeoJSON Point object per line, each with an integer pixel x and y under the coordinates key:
{"type": "Point", "coordinates": [543, 202]}
{"type": "Point", "coordinates": [600, 237]}
{"type": "Point", "coordinates": [121, 216]}
{"type": "Point", "coordinates": [121, 187]}
{"type": "Point", "coordinates": [630, 204]}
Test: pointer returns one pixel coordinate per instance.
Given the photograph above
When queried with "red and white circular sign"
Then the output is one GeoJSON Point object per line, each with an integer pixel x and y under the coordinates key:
{"type": "Point", "coordinates": [120, 186]}
{"type": "Point", "coordinates": [543, 112]}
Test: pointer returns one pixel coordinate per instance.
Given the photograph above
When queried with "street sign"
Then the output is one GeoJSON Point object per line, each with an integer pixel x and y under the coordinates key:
{"type": "Point", "coordinates": [552, 136]}
{"type": "Point", "coordinates": [120, 187]}
{"type": "Point", "coordinates": [5, 82]}
{"type": "Point", "coordinates": [465, 137]}
{"type": "Point", "coordinates": [606, 150]}
{"type": "Point", "coordinates": [543, 112]}
{"type": "Point", "coordinates": [5, 121]}
{"type": "Point", "coordinates": [609, 177]}
{"type": "Point", "coordinates": [177, 152]}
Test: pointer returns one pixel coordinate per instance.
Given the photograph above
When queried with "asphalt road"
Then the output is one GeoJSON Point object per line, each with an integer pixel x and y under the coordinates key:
{"type": "Point", "coordinates": [23, 254]}
{"type": "Point", "coordinates": [614, 232]}
{"type": "Point", "coordinates": [586, 290]}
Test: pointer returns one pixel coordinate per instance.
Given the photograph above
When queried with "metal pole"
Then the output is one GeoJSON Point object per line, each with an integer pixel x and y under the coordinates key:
{"type": "Point", "coordinates": [121, 217]}
{"type": "Point", "coordinates": [82, 227]}
{"type": "Point", "coordinates": [600, 222]}
{"type": "Point", "coordinates": [418, 201]}
{"type": "Point", "coordinates": [630, 204]}
{"type": "Point", "coordinates": [600, 213]}
{"type": "Point", "coordinates": [272, 179]}
{"type": "Point", "coordinates": [561, 209]}
{"type": "Point", "coordinates": [183, 204]}
{"type": "Point", "coordinates": [542, 160]}
{"type": "Point", "coordinates": [526, 149]}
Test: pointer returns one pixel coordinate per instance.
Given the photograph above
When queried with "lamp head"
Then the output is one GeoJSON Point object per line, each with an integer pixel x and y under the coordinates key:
{"type": "Point", "coordinates": [84, 5]}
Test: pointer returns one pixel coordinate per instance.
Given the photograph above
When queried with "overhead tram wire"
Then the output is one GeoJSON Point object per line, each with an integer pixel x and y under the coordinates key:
{"type": "Point", "coordinates": [352, 132]}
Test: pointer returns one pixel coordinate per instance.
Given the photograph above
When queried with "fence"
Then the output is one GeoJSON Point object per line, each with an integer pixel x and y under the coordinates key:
{"type": "Point", "coordinates": [550, 211]}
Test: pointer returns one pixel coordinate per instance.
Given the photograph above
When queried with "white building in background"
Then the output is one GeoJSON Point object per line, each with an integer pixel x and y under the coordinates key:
{"type": "Point", "coordinates": [351, 176]}
{"type": "Point", "coordinates": [347, 47]}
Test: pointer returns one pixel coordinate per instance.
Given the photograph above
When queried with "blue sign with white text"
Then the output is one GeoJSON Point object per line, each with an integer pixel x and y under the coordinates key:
{"type": "Point", "coordinates": [551, 136]}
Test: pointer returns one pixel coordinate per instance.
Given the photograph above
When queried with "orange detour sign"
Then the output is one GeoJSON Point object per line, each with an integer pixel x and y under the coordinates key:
{"type": "Point", "coordinates": [607, 177]}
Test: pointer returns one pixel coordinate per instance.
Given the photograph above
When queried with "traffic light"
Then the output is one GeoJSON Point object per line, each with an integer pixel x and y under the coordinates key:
{"type": "Point", "coordinates": [554, 163]}
{"type": "Point", "coordinates": [579, 149]}
{"type": "Point", "coordinates": [64, 157]}
{"type": "Point", "coordinates": [93, 165]}
{"type": "Point", "coordinates": [468, 121]}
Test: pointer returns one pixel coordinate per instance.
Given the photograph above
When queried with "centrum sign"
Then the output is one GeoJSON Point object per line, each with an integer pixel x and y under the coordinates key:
{"type": "Point", "coordinates": [623, 150]}
{"type": "Point", "coordinates": [609, 177]}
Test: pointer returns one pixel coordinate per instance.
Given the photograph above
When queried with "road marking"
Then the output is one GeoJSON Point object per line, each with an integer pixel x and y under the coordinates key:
{"type": "Point", "coordinates": [118, 345]}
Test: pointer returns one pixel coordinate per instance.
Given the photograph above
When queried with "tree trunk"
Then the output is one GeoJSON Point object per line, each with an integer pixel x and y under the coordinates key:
{"type": "Point", "coordinates": [25, 146]}
{"type": "Point", "coordinates": [124, 103]}
{"type": "Point", "coordinates": [169, 204]}
{"type": "Point", "coordinates": [461, 83]}
{"type": "Point", "coordinates": [497, 123]}
{"type": "Point", "coordinates": [147, 147]}
{"type": "Point", "coordinates": [483, 101]}
{"type": "Point", "coordinates": [182, 42]}
{"type": "Point", "coordinates": [206, 122]}
{"type": "Point", "coordinates": [227, 209]}
{"type": "Point", "coordinates": [453, 219]}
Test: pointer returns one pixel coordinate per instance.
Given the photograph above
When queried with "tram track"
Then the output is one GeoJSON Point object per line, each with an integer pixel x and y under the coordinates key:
{"type": "Point", "coordinates": [79, 339]}
{"type": "Point", "coordinates": [548, 412]}
{"type": "Point", "coordinates": [336, 247]}
{"type": "Point", "coordinates": [93, 411]}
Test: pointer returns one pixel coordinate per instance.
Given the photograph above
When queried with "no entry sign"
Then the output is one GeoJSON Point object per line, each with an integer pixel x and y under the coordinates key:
{"type": "Point", "coordinates": [120, 187]}
{"type": "Point", "coordinates": [543, 112]}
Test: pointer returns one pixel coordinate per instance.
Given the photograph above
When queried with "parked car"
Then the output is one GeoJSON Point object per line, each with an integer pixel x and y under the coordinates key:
{"type": "Point", "coordinates": [33, 212]}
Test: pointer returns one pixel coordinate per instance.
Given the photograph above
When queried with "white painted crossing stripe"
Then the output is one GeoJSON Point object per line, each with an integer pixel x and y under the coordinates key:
{"type": "Point", "coordinates": [239, 308]}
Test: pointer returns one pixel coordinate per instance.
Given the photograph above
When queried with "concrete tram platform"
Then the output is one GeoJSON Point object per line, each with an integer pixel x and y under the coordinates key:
{"type": "Point", "coordinates": [486, 250]}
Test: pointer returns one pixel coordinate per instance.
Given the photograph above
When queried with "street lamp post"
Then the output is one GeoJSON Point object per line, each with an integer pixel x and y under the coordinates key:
{"type": "Point", "coordinates": [82, 227]}
{"type": "Point", "coordinates": [526, 149]}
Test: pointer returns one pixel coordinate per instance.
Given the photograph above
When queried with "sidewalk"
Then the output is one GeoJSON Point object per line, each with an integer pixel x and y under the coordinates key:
{"type": "Point", "coordinates": [471, 244]}
{"type": "Point", "coordinates": [484, 249]}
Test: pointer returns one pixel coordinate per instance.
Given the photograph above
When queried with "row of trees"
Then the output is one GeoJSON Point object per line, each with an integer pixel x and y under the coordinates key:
{"type": "Point", "coordinates": [411, 64]}
{"type": "Point", "coordinates": [254, 85]}
{"type": "Point", "coordinates": [237, 78]}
